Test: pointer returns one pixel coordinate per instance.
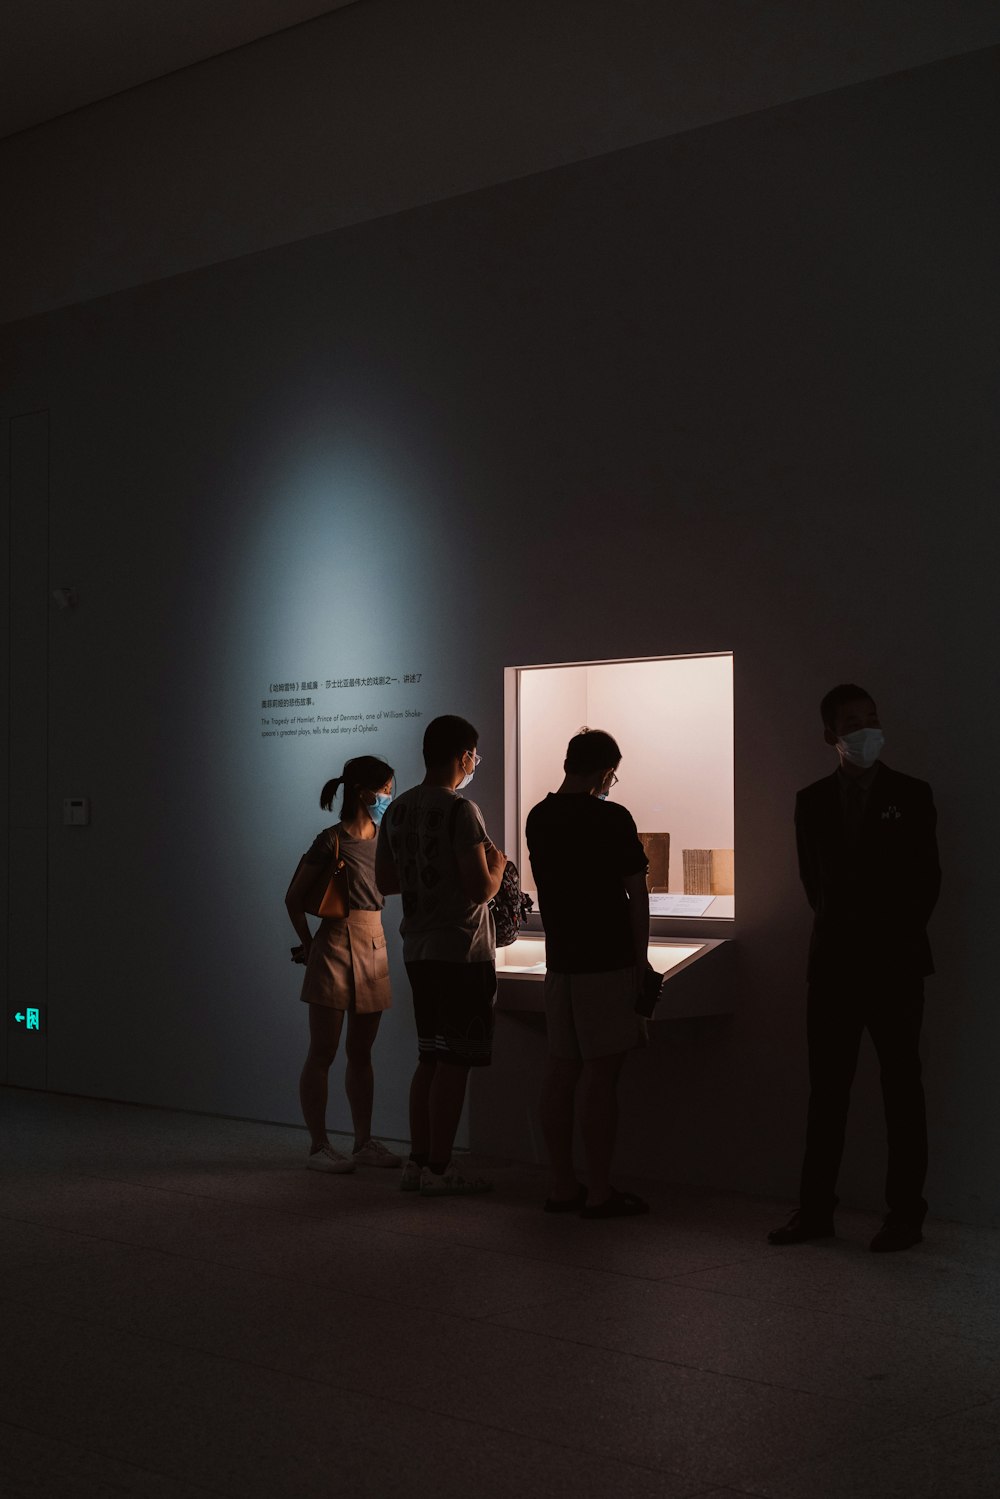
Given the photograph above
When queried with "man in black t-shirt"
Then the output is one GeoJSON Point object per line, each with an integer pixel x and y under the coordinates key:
{"type": "Point", "coordinates": [590, 872]}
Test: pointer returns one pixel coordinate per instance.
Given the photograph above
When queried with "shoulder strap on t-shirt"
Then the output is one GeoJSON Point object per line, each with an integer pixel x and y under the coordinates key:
{"type": "Point", "coordinates": [335, 837]}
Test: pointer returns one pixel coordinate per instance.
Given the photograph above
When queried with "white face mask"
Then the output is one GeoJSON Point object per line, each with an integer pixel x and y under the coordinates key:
{"type": "Point", "coordinates": [474, 757]}
{"type": "Point", "coordinates": [862, 748]}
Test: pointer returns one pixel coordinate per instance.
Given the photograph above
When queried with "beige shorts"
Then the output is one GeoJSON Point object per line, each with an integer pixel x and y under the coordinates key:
{"type": "Point", "coordinates": [348, 966]}
{"type": "Point", "coordinates": [591, 1014]}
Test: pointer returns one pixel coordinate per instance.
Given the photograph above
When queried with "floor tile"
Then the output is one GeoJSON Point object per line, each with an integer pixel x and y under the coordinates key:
{"type": "Point", "coordinates": [723, 1494]}
{"type": "Point", "coordinates": [925, 1287]}
{"type": "Point", "coordinates": [455, 1278]}
{"type": "Point", "coordinates": [244, 1430]}
{"type": "Point", "coordinates": [956, 1457]}
{"type": "Point", "coordinates": [127, 1213]}
{"type": "Point", "coordinates": [715, 1493]}
{"type": "Point", "coordinates": [895, 1365]}
{"type": "Point", "coordinates": [609, 1404]}
{"type": "Point", "coordinates": [35, 1466]}
{"type": "Point", "coordinates": [340, 1261]}
{"type": "Point", "coordinates": [651, 1248]}
{"type": "Point", "coordinates": [186, 1309]}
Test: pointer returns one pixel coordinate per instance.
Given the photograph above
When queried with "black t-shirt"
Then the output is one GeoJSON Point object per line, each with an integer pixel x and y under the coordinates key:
{"type": "Point", "coordinates": [582, 851]}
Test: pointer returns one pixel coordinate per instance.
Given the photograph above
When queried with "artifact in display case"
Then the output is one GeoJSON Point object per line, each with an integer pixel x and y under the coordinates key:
{"type": "Point", "coordinates": [657, 846]}
{"type": "Point", "coordinates": [708, 871]}
{"type": "Point", "coordinates": [672, 717]}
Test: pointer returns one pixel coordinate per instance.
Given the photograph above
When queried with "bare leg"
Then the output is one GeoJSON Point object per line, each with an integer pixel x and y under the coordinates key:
{"type": "Point", "coordinates": [556, 1111]}
{"type": "Point", "coordinates": [420, 1109]}
{"type": "Point", "coordinates": [447, 1095]}
{"type": "Point", "coordinates": [599, 1122]}
{"type": "Point", "coordinates": [324, 1037]}
{"type": "Point", "coordinates": [359, 1079]}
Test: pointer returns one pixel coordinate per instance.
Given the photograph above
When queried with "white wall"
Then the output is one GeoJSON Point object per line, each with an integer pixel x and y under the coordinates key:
{"type": "Point", "coordinates": [552, 707]}
{"type": "Point", "coordinates": [673, 721]}
{"type": "Point", "coordinates": [766, 349]}
{"type": "Point", "coordinates": [676, 720]}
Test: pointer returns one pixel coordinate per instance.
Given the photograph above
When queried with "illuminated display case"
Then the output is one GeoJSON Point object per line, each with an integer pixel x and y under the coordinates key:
{"type": "Point", "coordinates": [688, 991]}
{"type": "Point", "coordinates": [672, 717]}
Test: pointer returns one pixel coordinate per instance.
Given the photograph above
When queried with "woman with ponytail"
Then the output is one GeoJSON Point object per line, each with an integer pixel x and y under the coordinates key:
{"type": "Point", "coordinates": [347, 970]}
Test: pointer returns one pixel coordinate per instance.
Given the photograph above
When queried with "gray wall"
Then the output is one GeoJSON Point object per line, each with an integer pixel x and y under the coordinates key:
{"type": "Point", "coordinates": [728, 390]}
{"type": "Point", "coordinates": [391, 103]}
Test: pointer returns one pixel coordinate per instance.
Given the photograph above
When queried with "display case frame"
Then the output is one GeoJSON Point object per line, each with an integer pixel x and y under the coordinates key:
{"type": "Point", "coordinates": [720, 922]}
{"type": "Point", "coordinates": [694, 983]}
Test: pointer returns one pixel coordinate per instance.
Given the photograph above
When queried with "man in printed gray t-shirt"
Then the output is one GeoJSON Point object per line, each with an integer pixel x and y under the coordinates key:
{"type": "Point", "coordinates": [434, 851]}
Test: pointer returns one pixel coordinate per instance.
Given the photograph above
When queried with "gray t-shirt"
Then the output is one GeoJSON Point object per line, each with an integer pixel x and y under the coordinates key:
{"type": "Point", "coordinates": [358, 855]}
{"type": "Point", "coordinates": [420, 833]}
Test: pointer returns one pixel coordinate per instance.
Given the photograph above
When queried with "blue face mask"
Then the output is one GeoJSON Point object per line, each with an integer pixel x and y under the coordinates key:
{"type": "Point", "coordinates": [377, 809]}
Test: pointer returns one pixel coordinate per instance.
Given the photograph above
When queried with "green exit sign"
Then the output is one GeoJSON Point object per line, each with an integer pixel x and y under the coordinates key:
{"type": "Point", "coordinates": [28, 1018]}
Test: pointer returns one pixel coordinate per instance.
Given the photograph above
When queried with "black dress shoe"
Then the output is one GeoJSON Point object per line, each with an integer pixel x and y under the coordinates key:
{"type": "Point", "coordinates": [800, 1228]}
{"type": "Point", "coordinates": [896, 1236]}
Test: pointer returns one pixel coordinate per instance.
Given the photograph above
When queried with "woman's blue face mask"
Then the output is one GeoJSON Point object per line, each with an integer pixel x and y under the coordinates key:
{"type": "Point", "coordinates": [377, 809]}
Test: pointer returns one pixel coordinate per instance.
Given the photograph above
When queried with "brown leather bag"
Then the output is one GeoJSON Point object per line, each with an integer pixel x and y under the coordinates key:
{"type": "Point", "coordinates": [321, 889]}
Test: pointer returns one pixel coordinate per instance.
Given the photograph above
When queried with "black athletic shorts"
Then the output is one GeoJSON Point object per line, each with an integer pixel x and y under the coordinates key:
{"type": "Point", "coordinates": [453, 1008]}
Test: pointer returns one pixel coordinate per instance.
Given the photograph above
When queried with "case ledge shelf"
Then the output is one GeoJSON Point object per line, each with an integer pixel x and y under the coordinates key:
{"type": "Point", "coordinates": [695, 972]}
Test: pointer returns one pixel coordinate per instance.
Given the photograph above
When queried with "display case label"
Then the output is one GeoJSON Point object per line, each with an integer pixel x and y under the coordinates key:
{"type": "Point", "coordinates": [304, 707]}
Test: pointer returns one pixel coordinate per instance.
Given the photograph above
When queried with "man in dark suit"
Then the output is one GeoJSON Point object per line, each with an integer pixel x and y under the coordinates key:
{"type": "Point", "coordinates": [869, 863]}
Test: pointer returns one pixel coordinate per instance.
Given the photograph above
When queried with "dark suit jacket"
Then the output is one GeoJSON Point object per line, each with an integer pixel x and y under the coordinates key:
{"type": "Point", "coordinates": [872, 901]}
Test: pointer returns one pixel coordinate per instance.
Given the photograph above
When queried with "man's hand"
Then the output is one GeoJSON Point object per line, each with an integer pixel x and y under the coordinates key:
{"type": "Point", "coordinates": [649, 981]}
{"type": "Point", "coordinates": [643, 975]}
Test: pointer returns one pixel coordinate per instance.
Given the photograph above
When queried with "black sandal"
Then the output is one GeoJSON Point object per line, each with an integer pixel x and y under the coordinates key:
{"type": "Point", "coordinates": [618, 1205]}
{"type": "Point", "coordinates": [566, 1204]}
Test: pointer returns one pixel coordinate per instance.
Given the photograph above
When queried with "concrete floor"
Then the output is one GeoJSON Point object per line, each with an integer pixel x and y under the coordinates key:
{"type": "Point", "coordinates": [186, 1311]}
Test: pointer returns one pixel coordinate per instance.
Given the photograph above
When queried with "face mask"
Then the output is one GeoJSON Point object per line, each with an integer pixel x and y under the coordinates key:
{"type": "Point", "coordinates": [466, 779]}
{"type": "Point", "coordinates": [862, 748]}
{"type": "Point", "coordinates": [377, 809]}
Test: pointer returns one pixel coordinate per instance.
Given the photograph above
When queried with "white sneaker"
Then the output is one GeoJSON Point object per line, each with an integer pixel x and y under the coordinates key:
{"type": "Point", "coordinates": [410, 1179]}
{"type": "Point", "coordinates": [451, 1183]}
{"type": "Point", "coordinates": [374, 1153]}
{"type": "Point", "coordinates": [328, 1159]}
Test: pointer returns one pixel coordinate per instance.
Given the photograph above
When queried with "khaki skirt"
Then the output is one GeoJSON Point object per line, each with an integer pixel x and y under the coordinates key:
{"type": "Point", "coordinates": [348, 967]}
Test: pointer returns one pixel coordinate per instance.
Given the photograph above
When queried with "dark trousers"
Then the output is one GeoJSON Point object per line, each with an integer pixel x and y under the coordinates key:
{"type": "Point", "coordinates": [838, 1012]}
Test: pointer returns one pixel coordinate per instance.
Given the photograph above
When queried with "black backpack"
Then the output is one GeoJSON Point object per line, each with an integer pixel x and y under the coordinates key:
{"type": "Point", "coordinates": [510, 906]}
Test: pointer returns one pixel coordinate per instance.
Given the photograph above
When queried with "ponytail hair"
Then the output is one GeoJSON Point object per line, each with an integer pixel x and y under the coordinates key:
{"type": "Point", "coordinates": [365, 773]}
{"type": "Point", "coordinates": [329, 792]}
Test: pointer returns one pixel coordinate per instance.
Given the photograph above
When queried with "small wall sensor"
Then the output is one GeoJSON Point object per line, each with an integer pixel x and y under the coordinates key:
{"type": "Point", "coordinates": [76, 811]}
